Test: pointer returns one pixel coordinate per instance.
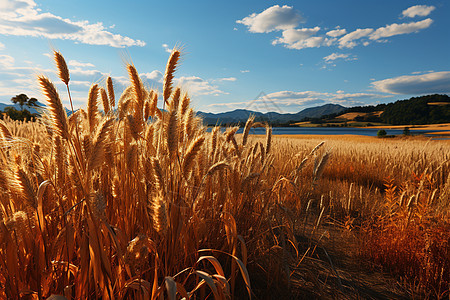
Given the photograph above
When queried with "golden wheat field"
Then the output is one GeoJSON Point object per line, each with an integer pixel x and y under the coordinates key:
{"type": "Point", "coordinates": [124, 200]}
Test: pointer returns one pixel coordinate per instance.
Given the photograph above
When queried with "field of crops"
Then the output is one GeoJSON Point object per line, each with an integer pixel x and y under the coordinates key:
{"type": "Point", "coordinates": [136, 202]}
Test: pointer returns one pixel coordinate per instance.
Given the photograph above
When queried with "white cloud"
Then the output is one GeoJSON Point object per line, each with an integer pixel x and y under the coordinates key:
{"type": "Point", "coordinates": [23, 18]}
{"type": "Point", "coordinates": [295, 101]}
{"type": "Point", "coordinates": [167, 48]}
{"type": "Point", "coordinates": [154, 76]}
{"type": "Point", "coordinates": [334, 56]}
{"type": "Point", "coordinates": [418, 10]}
{"type": "Point", "coordinates": [299, 38]}
{"type": "Point", "coordinates": [430, 83]}
{"type": "Point", "coordinates": [74, 63]}
{"type": "Point", "coordinates": [404, 28]}
{"type": "Point", "coordinates": [245, 71]}
{"type": "Point", "coordinates": [274, 18]}
{"type": "Point", "coordinates": [197, 86]}
{"type": "Point", "coordinates": [229, 79]}
{"type": "Point", "coordinates": [6, 61]}
{"type": "Point", "coordinates": [2, 46]}
{"type": "Point", "coordinates": [336, 32]}
{"type": "Point", "coordinates": [286, 20]}
{"type": "Point", "coordinates": [348, 40]}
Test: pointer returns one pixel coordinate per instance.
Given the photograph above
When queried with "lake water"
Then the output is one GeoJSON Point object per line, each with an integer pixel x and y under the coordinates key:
{"type": "Point", "coordinates": [334, 131]}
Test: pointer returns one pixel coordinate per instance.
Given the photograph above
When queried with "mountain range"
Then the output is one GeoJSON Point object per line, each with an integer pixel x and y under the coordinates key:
{"type": "Point", "coordinates": [241, 115]}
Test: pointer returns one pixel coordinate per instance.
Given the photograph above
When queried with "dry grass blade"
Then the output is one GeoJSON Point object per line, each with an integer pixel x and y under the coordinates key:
{"type": "Point", "coordinates": [63, 71]}
{"type": "Point", "coordinates": [168, 75]}
{"type": "Point", "coordinates": [217, 167]}
{"type": "Point", "coordinates": [171, 287]}
{"type": "Point", "coordinates": [57, 111]}
{"type": "Point", "coordinates": [209, 281]}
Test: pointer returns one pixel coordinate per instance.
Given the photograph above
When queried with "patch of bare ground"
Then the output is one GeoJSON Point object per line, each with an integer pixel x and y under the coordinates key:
{"type": "Point", "coordinates": [334, 269]}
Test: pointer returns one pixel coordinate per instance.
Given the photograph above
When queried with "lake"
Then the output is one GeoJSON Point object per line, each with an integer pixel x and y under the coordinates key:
{"type": "Point", "coordinates": [335, 131]}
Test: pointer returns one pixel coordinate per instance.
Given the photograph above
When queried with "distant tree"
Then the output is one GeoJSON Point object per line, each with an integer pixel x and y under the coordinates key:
{"type": "Point", "coordinates": [381, 133]}
{"type": "Point", "coordinates": [21, 115]}
{"type": "Point", "coordinates": [406, 131]}
{"type": "Point", "coordinates": [22, 100]}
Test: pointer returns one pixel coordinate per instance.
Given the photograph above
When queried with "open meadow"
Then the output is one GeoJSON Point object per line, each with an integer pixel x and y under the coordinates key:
{"type": "Point", "coordinates": [136, 202]}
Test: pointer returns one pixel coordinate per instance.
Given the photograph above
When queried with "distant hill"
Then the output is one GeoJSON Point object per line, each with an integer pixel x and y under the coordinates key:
{"type": "Point", "coordinates": [430, 109]}
{"type": "Point", "coordinates": [241, 115]}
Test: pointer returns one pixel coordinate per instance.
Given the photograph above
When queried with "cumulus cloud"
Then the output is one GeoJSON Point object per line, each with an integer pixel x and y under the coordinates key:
{"type": "Point", "coordinates": [274, 18]}
{"type": "Point", "coordinates": [336, 32]}
{"type": "Point", "coordinates": [396, 29]}
{"type": "Point", "coordinates": [229, 79]}
{"type": "Point", "coordinates": [286, 20]}
{"type": "Point", "coordinates": [197, 86]}
{"type": "Point", "coordinates": [6, 61]}
{"type": "Point", "coordinates": [348, 40]}
{"type": "Point", "coordinates": [418, 11]}
{"type": "Point", "coordinates": [167, 48]}
{"type": "Point", "coordinates": [334, 56]}
{"type": "Point", "coordinates": [293, 101]}
{"type": "Point", "coordinates": [74, 63]}
{"type": "Point", "coordinates": [429, 83]}
{"type": "Point", "coordinates": [299, 38]}
{"type": "Point", "coordinates": [23, 18]}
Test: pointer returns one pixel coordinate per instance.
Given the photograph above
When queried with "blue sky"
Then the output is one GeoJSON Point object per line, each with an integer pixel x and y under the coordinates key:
{"type": "Point", "coordinates": [299, 53]}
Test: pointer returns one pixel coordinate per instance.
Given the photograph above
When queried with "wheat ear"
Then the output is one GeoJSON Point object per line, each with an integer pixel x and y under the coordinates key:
{"type": "Point", "coordinates": [98, 147]}
{"type": "Point", "coordinates": [92, 107]}
{"type": "Point", "coordinates": [247, 127]}
{"type": "Point", "coordinates": [105, 100]}
{"type": "Point", "coordinates": [63, 71]}
{"type": "Point", "coordinates": [191, 153]}
{"type": "Point", "coordinates": [168, 75]}
{"type": "Point", "coordinates": [5, 131]}
{"type": "Point", "coordinates": [109, 85]}
{"type": "Point", "coordinates": [58, 114]}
